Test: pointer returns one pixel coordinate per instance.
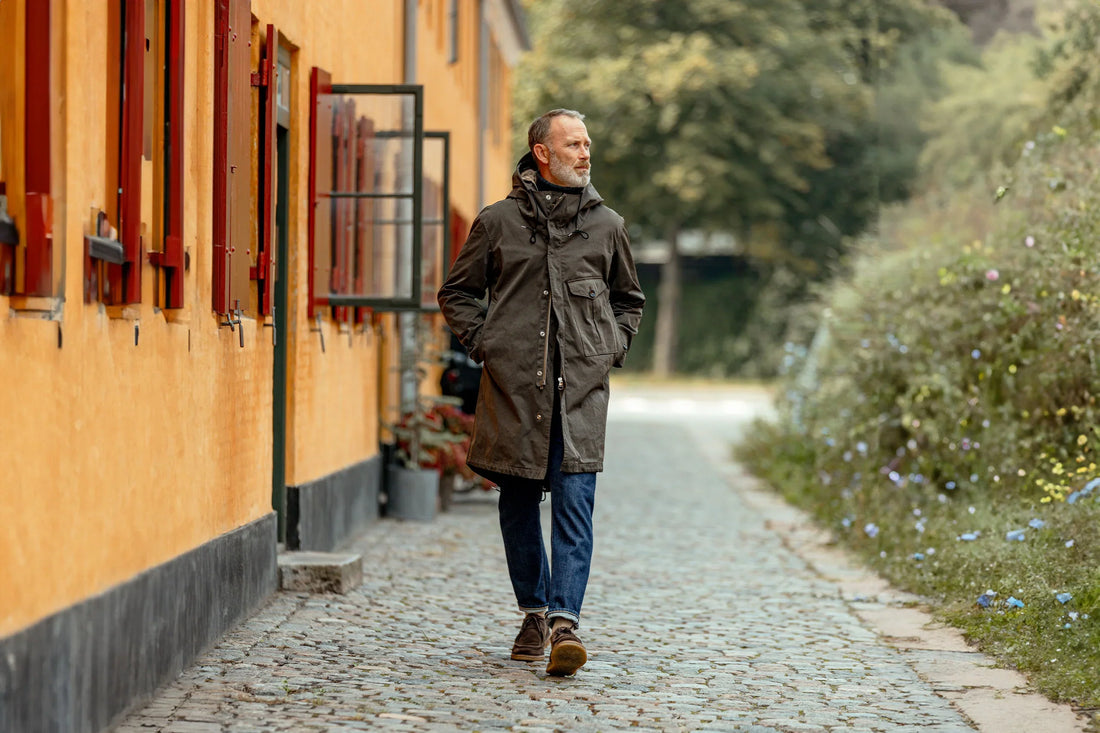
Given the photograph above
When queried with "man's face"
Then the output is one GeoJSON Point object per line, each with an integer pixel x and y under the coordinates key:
{"type": "Point", "coordinates": [568, 153]}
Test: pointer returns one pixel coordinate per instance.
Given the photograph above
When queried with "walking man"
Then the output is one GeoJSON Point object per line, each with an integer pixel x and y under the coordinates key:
{"type": "Point", "coordinates": [563, 305]}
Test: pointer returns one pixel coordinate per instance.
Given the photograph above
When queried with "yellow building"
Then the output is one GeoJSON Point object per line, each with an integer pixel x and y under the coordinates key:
{"type": "Point", "coordinates": [210, 211]}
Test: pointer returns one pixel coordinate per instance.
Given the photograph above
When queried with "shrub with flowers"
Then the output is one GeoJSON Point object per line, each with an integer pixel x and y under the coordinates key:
{"type": "Point", "coordinates": [438, 437]}
{"type": "Point", "coordinates": [945, 420]}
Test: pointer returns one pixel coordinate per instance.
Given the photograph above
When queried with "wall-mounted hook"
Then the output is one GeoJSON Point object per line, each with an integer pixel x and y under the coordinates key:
{"type": "Point", "coordinates": [240, 326]}
{"type": "Point", "coordinates": [320, 331]}
{"type": "Point", "coordinates": [231, 322]}
{"type": "Point", "coordinates": [274, 339]}
{"type": "Point", "coordinates": [59, 334]}
{"type": "Point", "coordinates": [137, 331]}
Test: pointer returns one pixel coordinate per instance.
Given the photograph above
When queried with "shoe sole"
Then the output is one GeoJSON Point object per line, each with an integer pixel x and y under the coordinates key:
{"type": "Point", "coordinates": [529, 657]}
{"type": "Point", "coordinates": [566, 659]}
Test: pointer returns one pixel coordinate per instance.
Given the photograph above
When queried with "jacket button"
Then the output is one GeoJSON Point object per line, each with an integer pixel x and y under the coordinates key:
{"type": "Point", "coordinates": [591, 293]}
{"type": "Point", "coordinates": [538, 373]}
{"type": "Point", "coordinates": [542, 333]}
{"type": "Point", "coordinates": [538, 418]}
{"type": "Point", "coordinates": [545, 292]}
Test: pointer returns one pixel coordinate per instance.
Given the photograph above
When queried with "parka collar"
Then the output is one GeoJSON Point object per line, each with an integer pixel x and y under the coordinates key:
{"type": "Point", "coordinates": [525, 189]}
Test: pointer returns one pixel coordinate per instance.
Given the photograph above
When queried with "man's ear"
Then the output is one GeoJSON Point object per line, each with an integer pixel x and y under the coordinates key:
{"type": "Point", "coordinates": [542, 153]}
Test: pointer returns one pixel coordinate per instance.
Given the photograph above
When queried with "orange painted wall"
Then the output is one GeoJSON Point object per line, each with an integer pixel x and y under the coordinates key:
{"type": "Point", "coordinates": [499, 155]}
{"type": "Point", "coordinates": [334, 394]}
{"type": "Point", "coordinates": [119, 457]}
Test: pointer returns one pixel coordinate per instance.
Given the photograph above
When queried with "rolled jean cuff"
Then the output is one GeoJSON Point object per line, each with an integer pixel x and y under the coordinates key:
{"type": "Point", "coordinates": [564, 614]}
{"type": "Point", "coordinates": [541, 609]}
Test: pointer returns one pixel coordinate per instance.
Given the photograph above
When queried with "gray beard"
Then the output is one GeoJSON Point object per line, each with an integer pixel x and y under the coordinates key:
{"type": "Point", "coordinates": [567, 175]}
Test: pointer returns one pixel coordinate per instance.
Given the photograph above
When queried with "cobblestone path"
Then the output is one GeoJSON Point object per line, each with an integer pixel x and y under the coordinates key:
{"type": "Point", "coordinates": [697, 619]}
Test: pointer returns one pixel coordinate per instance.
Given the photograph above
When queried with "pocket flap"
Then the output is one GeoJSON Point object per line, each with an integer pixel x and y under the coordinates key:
{"type": "Point", "coordinates": [587, 288]}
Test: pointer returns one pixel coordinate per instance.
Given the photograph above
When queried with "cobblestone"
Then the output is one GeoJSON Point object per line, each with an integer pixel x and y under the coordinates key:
{"type": "Point", "coordinates": [697, 618]}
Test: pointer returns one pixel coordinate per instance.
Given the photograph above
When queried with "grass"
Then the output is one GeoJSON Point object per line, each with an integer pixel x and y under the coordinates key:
{"type": "Point", "coordinates": [1056, 644]}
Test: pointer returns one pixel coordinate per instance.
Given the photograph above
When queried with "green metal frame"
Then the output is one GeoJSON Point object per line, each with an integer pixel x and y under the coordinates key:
{"type": "Point", "coordinates": [412, 302]}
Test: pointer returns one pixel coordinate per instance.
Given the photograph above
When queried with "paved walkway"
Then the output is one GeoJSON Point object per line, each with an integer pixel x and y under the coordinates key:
{"type": "Point", "coordinates": [698, 618]}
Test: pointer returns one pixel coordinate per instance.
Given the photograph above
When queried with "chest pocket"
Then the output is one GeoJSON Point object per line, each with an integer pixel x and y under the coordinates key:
{"type": "Point", "coordinates": [594, 329]}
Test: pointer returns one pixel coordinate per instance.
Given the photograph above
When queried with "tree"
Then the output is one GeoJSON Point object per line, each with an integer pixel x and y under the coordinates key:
{"type": "Point", "coordinates": [748, 117]}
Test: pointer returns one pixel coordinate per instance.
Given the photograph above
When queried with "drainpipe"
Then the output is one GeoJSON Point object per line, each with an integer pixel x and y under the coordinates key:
{"type": "Point", "coordinates": [406, 322]}
{"type": "Point", "coordinates": [482, 98]}
{"type": "Point", "coordinates": [410, 41]}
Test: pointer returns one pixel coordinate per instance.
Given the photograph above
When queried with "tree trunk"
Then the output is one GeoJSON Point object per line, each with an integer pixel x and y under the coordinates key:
{"type": "Point", "coordinates": [668, 310]}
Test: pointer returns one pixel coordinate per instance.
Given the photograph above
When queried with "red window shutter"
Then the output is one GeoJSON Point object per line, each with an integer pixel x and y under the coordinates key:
{"type": "Point", "coordinates": [232, 164]}
{"type": "Point", "coordinates": [171, 260]}
{"type": "Point", "coordinates": [264, 272]}
{"type": "Point", "coordinates": [38, 270]}
{"type": "Point", "coordinates": [320, 184]}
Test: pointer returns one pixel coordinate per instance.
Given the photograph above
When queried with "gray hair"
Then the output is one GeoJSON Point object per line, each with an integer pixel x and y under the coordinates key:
{"type": "Point", "coordinates": [539, 130]}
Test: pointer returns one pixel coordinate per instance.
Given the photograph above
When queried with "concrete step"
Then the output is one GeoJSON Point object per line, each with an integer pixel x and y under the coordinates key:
{"type": "Point", "coordinates": [320, 572]}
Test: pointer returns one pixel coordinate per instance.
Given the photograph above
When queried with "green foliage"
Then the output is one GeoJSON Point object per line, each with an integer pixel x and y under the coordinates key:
{"type": "Point", "coordinates": [911, 84]}
{"type": "Point", "coordinates": [733, 318]}
{"type": "Point", "coordinates": [1068, 62]}
{"type": "Point", "coordinates": [752, 117]}
{"type": "Point", "coordinates": [784, 122]}
{"type": "Point", "coordinates": [977, 128]}
{"type": "Point", "coordinates": [951, 397]}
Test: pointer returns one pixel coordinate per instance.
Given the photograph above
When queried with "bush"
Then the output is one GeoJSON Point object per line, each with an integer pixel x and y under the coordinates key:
{"type": "Point", "coordinates": [948, 408]}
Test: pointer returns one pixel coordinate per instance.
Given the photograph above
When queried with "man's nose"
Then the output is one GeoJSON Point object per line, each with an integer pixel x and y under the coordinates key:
{"type": "Point", "coordinates": [585, 154]}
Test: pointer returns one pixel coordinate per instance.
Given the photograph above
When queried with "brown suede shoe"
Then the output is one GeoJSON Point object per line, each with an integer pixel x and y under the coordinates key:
{"type": "Point", "coordinates": [534, 635]}
{"type": "Point", "coordinates": [567, 653]}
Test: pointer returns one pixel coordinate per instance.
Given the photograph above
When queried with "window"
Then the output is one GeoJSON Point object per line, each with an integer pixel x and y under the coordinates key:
{"type": "Point", "coordinates": [171, 259]}
{"type": "Point", "coordinates": [436, 239]}
{"type": "Point", "coordinates": [366, 189]}
{"type": "Point", "coordinates": [144, 154]}
{"type": "Point", "coordinates": [26, 206]}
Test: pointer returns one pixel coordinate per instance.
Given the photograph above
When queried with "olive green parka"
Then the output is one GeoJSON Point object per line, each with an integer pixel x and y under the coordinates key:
{"type": "Point", "coordinates": [563, 304]}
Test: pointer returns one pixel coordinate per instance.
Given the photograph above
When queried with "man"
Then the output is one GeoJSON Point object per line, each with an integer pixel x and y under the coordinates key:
{"type": "Point", "coordinates": [563, 304]}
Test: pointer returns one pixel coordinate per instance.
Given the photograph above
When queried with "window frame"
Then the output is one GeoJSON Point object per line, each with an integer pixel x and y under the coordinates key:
{"type": "Point", "coordinates": [172, 259]}
{"type": "Point", "coordinates": [117, 256]}
{"type": "Point", "coordinates": [125, 277]}
{"type": "Point", "coordinates": [320, 84]}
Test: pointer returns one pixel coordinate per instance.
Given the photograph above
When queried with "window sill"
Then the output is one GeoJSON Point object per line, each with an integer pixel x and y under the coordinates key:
{"type": "Point", "coordinates": [123, 312]}
{"type": "Point", "coordinates": [33, 306]}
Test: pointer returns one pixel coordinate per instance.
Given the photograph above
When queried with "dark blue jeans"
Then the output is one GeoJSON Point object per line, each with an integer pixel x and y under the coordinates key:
{"type": "Point", "coordinates": [559, 591]}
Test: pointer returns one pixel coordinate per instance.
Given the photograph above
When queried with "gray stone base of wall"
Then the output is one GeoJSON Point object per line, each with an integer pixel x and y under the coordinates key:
{"type": "Point", "coordinates": [81, 668]}
{"type": "Point", "coordinates": [326, 514]}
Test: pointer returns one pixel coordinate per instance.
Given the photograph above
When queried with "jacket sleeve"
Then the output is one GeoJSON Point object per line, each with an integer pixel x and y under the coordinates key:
{"type": "Point", "coordinates": [462, 295]}
{"type": "Point", "coordinates": [627, 298]}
